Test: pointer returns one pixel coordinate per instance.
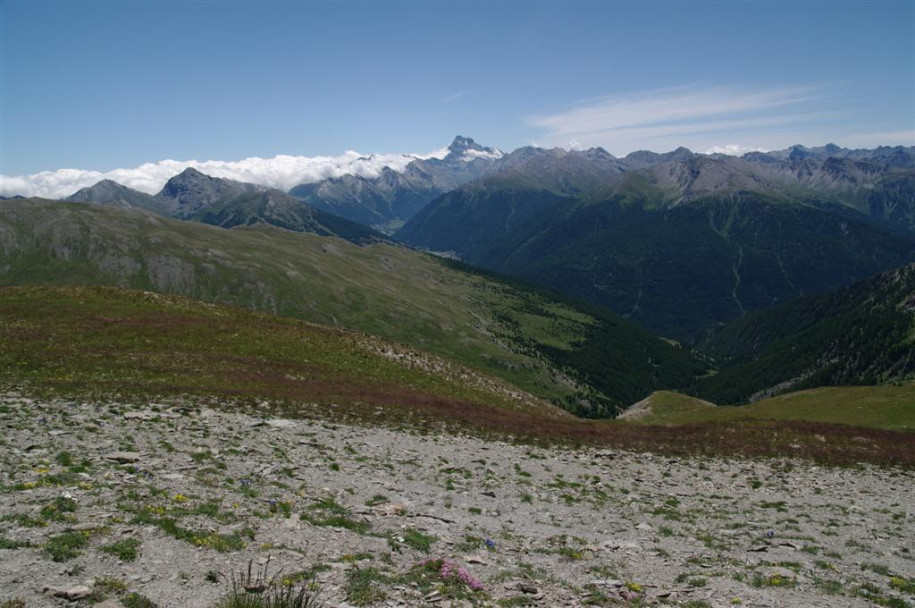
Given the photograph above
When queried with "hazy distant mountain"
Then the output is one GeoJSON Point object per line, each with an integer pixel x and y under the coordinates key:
{"type": "Point", "coordinates": [192, 195]}
{"type": "Point", "coordinates": [190, 192]}
{"type": "Point", "coordinates": [684, 241]}
{"type": "Point", "coordinates": [113, 194]}
{"type": "Point", "coordinates": [386, 201]}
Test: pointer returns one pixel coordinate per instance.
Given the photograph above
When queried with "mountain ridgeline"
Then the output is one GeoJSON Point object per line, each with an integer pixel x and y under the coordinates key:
{"type": "Point", "coordinates": [191, 195]}
{"type": "Point", "coordinates": [681, 242]}
{"type": "Point", "coordinates": [386, 201]}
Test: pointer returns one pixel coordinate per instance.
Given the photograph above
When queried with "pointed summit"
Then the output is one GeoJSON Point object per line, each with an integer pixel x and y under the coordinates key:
{"type": "Point", "coordinates": [191, 190]}
{"type": "Point", "coordinates": [465, 149]}
{"type": "Point", "coordinates": [192, 172]}
{"type": "Point", "coordinates": [461, 144]}
{"type": "Point", "coordinates": [798, 152]}
{"type": "Point", "coordinates": [113, 194]}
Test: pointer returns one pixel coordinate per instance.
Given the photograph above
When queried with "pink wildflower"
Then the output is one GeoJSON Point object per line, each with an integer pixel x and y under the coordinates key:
{"type": "Point", "coordinates": [450, 570]}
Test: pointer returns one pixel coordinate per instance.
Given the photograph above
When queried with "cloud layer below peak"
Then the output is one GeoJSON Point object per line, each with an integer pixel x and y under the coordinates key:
{"type": "Point", "coordinates": [282, 172]}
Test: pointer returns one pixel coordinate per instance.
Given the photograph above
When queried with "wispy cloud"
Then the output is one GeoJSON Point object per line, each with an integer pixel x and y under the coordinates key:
{"type": "Point", "coordinates": [281, 172]}
{"type": "Point", "coordinates": [454, 96]}
{"type": "Point", "coordinates": [697, 117]}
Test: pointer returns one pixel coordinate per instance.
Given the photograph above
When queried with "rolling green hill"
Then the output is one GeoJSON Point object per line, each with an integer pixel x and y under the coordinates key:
{"type": "Point", "coordinates": [881, 407]}
{"type": "Point", "coordinates": [590, 361]}
{"type": "Point", "coordinates": [102, 341]}
{"type": "Point", "coordinates": [109, 345]}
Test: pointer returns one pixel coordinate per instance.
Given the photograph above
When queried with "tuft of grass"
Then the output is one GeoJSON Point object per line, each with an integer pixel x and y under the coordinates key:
{"type": "Point", "coordinates": [135, 600]}
{"type": "Point", "coordinates": [125, 550]}
{"type": "Point", "coordinates": [328, 512]}
{"type": "Point", "coordinates": [57, 510]}
{"type": "Point", "coordinates": [377, 499]}
{"type": "Point", "coordinates": [108, 584]}
{"type": "Point", "coordinates": [571, 553]}
{"type": "Point", "coordinates": [256, 588]}
{"type": "Point", "coordinates": [904, 585]}
{"type": "Point", "coordinates": [774, 580]}
{"type": "Point", "coordinates": [210, 540]}
{"type": "Point", "coordinates": [6, 543]}
{"type": "Point", "coordinates": [362, 586]}
{"type": "Point", "coordinates": [417, 540]}
{"type": "Point", "coordinates": [66, 546]}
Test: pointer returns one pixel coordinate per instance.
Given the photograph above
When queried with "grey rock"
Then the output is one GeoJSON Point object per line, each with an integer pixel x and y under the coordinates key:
{"type": "Point", "coordinates": [72, 594]}
{"type": "Point", "coordinates": [124, 457]}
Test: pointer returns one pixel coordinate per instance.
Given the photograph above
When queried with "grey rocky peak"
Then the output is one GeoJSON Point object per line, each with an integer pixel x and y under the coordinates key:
{"type": "Point", "coordinates": [464, 148]}
{"type": "Point", "coordinates": [190, 191]}
{"type": "Point", "coordinates": [193, 195]}
{"type": "Point", "coordinates": [386, 201]}
{"type": "Point", "coordinates": [112, 194]}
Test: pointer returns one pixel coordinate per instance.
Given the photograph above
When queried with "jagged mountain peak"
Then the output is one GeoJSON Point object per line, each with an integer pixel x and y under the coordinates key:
{"type": "Point", "coordinates": [466, 149]}
{"type": "Point", "coordinates": [190, 174]}
{"type": "Point", "coordinates": [462, 144]}
{"type": "Point", "coordinates": [192, 178]}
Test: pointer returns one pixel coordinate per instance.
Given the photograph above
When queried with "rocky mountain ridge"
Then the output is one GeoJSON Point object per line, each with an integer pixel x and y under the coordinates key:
{"type": "Point", "coordinates": [684, 231]}
{"type": "Point", "coordinates": [192, 195]}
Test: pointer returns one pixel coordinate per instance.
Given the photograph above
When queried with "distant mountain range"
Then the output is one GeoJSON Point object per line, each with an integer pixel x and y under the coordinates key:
{"type": "Point", "coordinates": [191, 195]}
{"type": "Point", "coordinates": [678, 242]}
{"type": "Point", "coordinates": [388, 200]}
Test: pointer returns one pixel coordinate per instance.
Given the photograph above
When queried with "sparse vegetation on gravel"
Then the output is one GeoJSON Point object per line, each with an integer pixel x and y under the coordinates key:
{"type": "Point", "coordinates": [588, 526]}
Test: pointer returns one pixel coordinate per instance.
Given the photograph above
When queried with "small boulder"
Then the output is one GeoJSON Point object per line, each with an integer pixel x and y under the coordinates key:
{"type": "Point", "coordinates": [124, 457]}
{"type": "Point", "coordinates": [73, 594]}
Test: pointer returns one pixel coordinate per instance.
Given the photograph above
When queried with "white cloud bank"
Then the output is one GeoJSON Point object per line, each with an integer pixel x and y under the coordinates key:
{"type": "Point", "coordinates": [281, 172]}
{"type": "Point", "coordinates": [729, 120]}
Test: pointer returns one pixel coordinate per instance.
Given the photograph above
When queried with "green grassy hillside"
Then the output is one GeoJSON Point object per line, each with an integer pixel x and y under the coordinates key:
{"type": "Point", "coordinates": [101, 341]}
{"type": "Point", "coordinates": [100, 344]}
{"type": "Point", "coordinates": [881, 407]}
{"type": "Point", "coordinates": [589, 360]}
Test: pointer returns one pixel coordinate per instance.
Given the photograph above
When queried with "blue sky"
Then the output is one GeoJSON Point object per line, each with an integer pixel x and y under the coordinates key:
{"type": "Point", "coordinates": [107, 85]}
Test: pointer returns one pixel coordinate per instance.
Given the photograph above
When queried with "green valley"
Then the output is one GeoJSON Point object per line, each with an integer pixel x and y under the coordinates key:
{"type": "Point", "coordinates": [590, 361]}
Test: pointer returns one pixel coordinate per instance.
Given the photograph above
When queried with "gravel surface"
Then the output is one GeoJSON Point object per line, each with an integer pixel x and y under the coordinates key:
{"type": "Point", "coordinates": [168, 500]}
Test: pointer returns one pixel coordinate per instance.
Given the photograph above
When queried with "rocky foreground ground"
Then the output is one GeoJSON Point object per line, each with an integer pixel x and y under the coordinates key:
{"type": "Point", "coordinates": [162, 503]}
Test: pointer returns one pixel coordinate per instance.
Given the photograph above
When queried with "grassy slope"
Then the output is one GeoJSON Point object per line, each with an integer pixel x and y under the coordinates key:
{"type": "Point", "coordinates": [103, 343]}
{"type": "Point", "coordinates": [384, 290]}
{"type": "Point", "coordinates": [880, 407]}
